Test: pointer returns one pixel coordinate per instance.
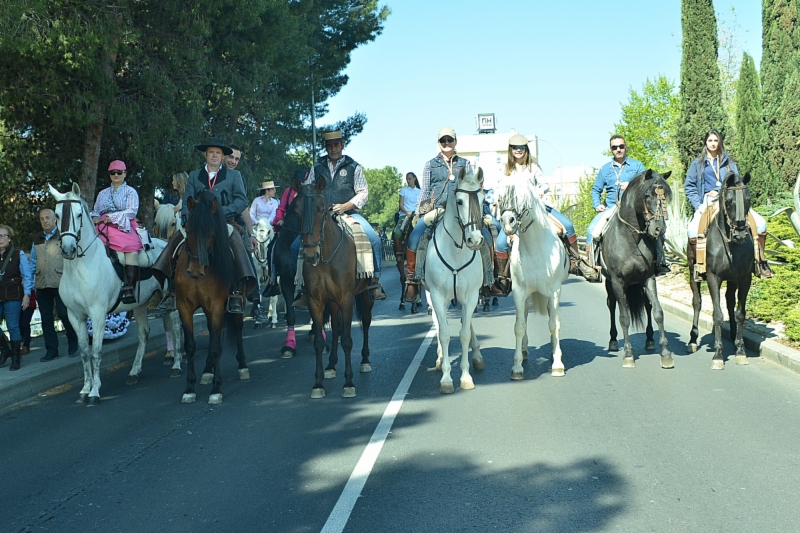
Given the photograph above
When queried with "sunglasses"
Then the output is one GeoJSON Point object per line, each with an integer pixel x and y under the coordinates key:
{"type": "Point", "coordinates": [617, 146]}
{"type": "Point", "coordinates": [116, 172]}
{"type": "Point", "coordinates": [445, 140]}
{"type": "Point", "coordinates": [515, 147]}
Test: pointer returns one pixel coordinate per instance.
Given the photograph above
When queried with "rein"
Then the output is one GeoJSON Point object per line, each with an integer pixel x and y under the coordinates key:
{"type": "Point", "coordinates": [308, 228]}
{"type": "Point", "coordinates": [519, 214]}
{"type": "Point", "coordinates": [455, 271]}
{"type": "Point", "coordinates": [66, 223]}
{"type": "Point", "coordinates": [475, 218]}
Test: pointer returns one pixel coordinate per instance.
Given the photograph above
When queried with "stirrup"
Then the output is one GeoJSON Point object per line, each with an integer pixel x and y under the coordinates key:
{"type": "Point", "coordinates": [127, 296]}
{"type": "Point", "coordinates": [411, 285]}
{"type": "Point", "coordinates": [764, 272]}
{"type": "Point", "coordinates": [234, 304]}
{"type": "Point", "coordinates": [168, 303]}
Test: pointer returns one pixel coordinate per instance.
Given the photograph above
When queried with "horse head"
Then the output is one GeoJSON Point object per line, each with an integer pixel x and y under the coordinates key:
{"type": "Point", "coordinates": [467, 200]}
{"type": "Point", "coordinates": [518, 203]}
{"type": "Point", "coordinates": [70, 210]}
{"type": "Point", "coordinates": [311, 208]}
{"type": "Point", "coordinates": [263, 231]}
{"type": "Point", "coordinates": [649, 194]}
{"type": "Point", "coordinates": [166, 221]}
{"type": "Point", "coordinates": [734, 203]}
{"type": "Point", "coordinates": [206, 234]}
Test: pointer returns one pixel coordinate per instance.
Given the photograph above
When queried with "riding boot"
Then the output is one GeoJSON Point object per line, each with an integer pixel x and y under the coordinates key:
{"type": "Point", "coordinates": [763, 267]}
{"type": "Point", "coordinates": [235, 303]}
{"type": "Point", "coordinates": [581, 267]}
{"type": "Point", "coordinates": [5, 349]}
{"type": "Point", "coordinates": [168, 302]}
{"type": "Point", "coordinates": [503, 281]}
{"type": "Point", "coordinates": [132, 276]}
{"type": "Point", "coordinates": [661, 262]}
{"type": "Point", "coordinates": [376, 290]}
{"type": "Point", "coordinates": [411, 265]}
{"type": "Point", "coordinates": [15, 357]}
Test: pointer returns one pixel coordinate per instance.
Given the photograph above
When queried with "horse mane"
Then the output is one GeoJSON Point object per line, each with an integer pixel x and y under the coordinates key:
{"type": "Point", "coordinates": [203, 222]}
{"type": "Point", "coordinates": [522, 195]}
{"type": "Point", "coordinates": [164, 216]}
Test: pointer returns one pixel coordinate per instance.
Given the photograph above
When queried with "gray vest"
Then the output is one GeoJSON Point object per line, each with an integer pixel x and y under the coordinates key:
{"type": "Point", "coordinates": [439, 174]}
{"type": "Point", "coordinates": [343, 188]}
{"type": "Point", "coordinates": [49, 262]}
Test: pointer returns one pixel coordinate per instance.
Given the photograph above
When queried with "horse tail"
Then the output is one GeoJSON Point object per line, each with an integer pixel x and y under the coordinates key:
{"type": "Point", "coordinates": [230, 334]}
{"type": "Point", "coordinates": [540, 302]}
{"type": "Point", "coordinates": [636, 304]}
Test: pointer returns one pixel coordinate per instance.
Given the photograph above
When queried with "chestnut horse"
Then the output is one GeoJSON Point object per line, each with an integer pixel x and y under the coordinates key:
{"type": "Point", "coordinates": [331, 284]}
{"type": "Point", "coordinates": [204, 274]}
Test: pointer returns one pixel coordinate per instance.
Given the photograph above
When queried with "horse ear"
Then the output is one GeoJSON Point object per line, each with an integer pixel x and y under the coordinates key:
{"type": "Point", "coordinates": [479, 176]}
{"type": "Point", "coordinates": [76, 189]}
{"type": "Point", "coordinates": [666, 175]}
{"type": "Point", "coordinates": [648, 175]}
{"type": "Point", "coordinates": [746, 178]}
{"type": "Point", "coordinates": [296, 185]}
{"type": "Point", "coordinates": [461, 172]}
{"type": "Point", "coordinates": [190, 202]}
{"type": "Point", "coordinates": [730, 180]}
{"type": "Point", "coordinates": [57, 195]}
{"type": "Point", "coordinates": [320, 184]}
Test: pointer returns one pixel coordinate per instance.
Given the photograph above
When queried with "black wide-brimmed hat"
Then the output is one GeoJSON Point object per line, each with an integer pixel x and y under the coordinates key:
{"type": "Point", "coordinates": [215, 142]}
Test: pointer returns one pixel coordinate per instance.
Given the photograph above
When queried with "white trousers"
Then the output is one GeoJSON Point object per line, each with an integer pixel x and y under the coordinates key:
{"type": "Point", "coordinates": [694, 224]}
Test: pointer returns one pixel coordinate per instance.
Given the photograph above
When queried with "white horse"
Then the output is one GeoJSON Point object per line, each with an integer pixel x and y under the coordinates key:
{"type": "Point", "coordinates": [539, 265]}
{"type": "Point", "coordinates": [166, 222]}
{"type": "Point", "coordinates": [454, 270]}
{"type": "Point", "coordinates": [90, 287]}
{"type": "Point", "coordinates": [264, 233]}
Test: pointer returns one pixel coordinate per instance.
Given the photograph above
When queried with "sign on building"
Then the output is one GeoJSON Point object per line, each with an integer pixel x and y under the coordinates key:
{"type": "Point", "coordinates": [486, 123]}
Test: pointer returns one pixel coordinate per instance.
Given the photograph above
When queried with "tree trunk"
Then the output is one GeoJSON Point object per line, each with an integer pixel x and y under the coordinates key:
{"type": "Point", "coordinates": [91, 152]}
{"type": "Point", "coordinates": [146, 207]}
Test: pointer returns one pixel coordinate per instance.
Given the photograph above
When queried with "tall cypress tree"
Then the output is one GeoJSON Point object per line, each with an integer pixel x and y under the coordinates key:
{"type": "Point", "coordinates": [701, 91]}
{"type": "Point", "coordinates": [750, 135]}
{"type": "Point", "coordinates": [785, 134]}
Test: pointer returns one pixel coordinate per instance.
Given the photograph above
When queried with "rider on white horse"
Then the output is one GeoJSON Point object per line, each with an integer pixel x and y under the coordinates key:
{"type": "Point", "coordinates": [114, 214]}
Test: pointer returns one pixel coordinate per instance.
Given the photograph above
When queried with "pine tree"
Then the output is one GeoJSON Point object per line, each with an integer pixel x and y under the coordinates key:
{"type": "Point", "coordinates": [750, 136]}
{"type": "Point", "coordinates": [700, 91]}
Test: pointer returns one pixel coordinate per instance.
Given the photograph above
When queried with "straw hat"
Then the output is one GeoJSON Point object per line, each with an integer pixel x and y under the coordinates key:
{"type": "Point", "coordinates": [332, 136]}
{"type": "Point", "coordinates": [266, 185]}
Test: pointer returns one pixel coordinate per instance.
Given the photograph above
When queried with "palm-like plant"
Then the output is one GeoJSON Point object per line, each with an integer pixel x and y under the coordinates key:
{"type": "Point", "coordinates": [793, 213]}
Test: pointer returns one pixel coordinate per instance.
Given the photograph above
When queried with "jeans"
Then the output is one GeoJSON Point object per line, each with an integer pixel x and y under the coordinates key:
{"type": "Point", "coordinates": [374, 240]}
{"type": "Point", "coordinates": [592, 224]}
{"type": "Point", "coordinates": [11, 310]}
{"type": "Point", "coordinates": [48, 301]}
{"type": "Point", "coordinates": [569, 227]}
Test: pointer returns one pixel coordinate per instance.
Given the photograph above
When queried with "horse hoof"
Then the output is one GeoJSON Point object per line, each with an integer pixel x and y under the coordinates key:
{"type": "Point", "coordinates": [692, 347]}
{"type": "Point", "coordinates": [366, 367]}
{"type": "Point", "coordinates": [317, 394]}
{"type": "Point", "coordinates": [650, 345]}
{"type": "Point", "coordinates": [628, 362]}
{"type": "Point", "coordinates": [132, 380]}
{"type": "Point", "coordinates": [613, 346]}
{"type": "Point", "coordinates": [189, 398]}
{"type": "Point", "coordinates": [82, 398]}
{"type": "Point", "coordinates": [175, 373]}
{"type": "Point", "coordinates": [557, 372]}
{"type": "Point", "coordinates": [667, 362]}
{"type": "Point", "coordinates": [742, 360]}
{"type": "Point", "coordinates": [330, 373]}
{"type": "Point", "coordinates": [446, 388]}
{"type": "Point", "coordinates": [402, 307]}
{"type": "Point", "coordinates": [169, 358]}
{"type": "Point", "coordinates": [287, 353]}
{"type": "Point", "coordinates": [518, 376]}
{"type": "Point", "coordinates": [349, 392]}
{"type": "Point", "coordinates": [93, 401]}
{"type": "Point", "coordinates": [244, 374]}
{"type": "Point", "coordinates": [206, 379]}
{"type": "Point", "coordinates": [467, 384]}
{"type": "Point", "coordinates": [215, 399]}
{"type": "Point", "coordinates": [478, 364]}
{"type": "Point", "coordinates": [717, 364]}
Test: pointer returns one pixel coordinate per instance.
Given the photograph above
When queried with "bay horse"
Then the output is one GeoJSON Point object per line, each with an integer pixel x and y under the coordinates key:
{"type": "Point", "coordinates": [539, 266]}
{"type": "Point", "coordinates": [331, 282]}
{"type": "Point", "coordinates": [454, 271]}
{"type": "Point", "coordinates": [730, 257]}
{"type": "Point", "coordinates": [628, 255]}
{"type": "Point", "coordinates": [166, 222]}
{"type": "Point", "coordinates": [264, 234]}
{"type": "Point", "coordinates": [204, 274]}
{"type": "Point", "coordinates": [90, 288]}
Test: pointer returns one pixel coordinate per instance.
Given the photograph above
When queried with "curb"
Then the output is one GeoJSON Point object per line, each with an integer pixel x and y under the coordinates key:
{"type": "Point", "coordinates": [72, 371]}
{"type": "Point", "coordinates": [766, 348]}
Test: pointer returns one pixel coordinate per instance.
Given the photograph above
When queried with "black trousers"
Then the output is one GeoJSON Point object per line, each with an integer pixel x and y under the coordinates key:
{"type": "Point", "coordinates": [50, 302]}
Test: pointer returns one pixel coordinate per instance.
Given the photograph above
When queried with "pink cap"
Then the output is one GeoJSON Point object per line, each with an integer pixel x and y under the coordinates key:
{"type": "Point", "coordinates": [117, 165]}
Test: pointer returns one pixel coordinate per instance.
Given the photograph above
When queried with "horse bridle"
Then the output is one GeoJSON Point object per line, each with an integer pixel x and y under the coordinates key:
{"type": "Point", "coordinates": [474, 212]}
{"type": "Point", "coordinates": [67, 219]}
{"type": "Point", "coordinates": [660, 212]}
{"type": "Point", "coordinates": [740, 213]}
{"type": "Point", "coordinates": [518, 215]}
{"type": "Point", "coordinates": [308, 226]}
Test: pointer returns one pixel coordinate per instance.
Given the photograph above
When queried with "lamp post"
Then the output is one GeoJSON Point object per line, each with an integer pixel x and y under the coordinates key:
{"type": "Point", "coordinates": [560, 168]}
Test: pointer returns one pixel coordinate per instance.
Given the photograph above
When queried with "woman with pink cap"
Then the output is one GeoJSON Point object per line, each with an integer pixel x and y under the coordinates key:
{"type": "Point", "coordinates": [114, 214]}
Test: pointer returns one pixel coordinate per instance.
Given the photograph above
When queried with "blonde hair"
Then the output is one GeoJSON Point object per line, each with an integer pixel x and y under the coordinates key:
{"type": "Point", "coordinates": [181, 178]}
{"type": "Point", "coordinates": [511, 164]}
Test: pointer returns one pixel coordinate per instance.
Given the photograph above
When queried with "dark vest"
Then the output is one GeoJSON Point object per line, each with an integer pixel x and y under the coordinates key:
{"type": "Point", "coordinates": [439, 174]}
{"type": "Point", "coordinates": [11, 285]}
{"type": "Point", "coordinates": [343, 188]}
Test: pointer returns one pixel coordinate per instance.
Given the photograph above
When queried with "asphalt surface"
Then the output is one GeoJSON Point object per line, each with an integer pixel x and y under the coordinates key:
{"type": "Point", "coordinates": [601, 449]}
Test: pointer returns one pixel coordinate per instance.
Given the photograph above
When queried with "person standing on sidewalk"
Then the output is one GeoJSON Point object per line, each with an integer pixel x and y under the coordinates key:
{"type": "Point", "coordinates": [16, 284]}
{"type": "Point", "coordinates": [47, 265]}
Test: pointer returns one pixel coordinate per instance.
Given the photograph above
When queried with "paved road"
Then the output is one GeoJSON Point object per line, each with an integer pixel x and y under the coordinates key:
{"type": "Point", "coordinates": [602, 449]}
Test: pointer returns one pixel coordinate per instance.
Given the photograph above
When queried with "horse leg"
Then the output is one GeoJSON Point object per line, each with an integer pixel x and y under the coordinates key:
{"type": "Point", "coordinates": [98, 322]}
{"type": "Point", "coordinates": [477, 357]}
{"type": "Point", "coordinates": [365, 312]}
{"type": "Point", "coordinates": [520, 327]}
{"type": "Point", "coordinates": [525, 310]}
{"type": "Point", "coordinates": [697, 300]}
{"type": "Point", "coordinates": [658, 313]}
{"type": "Point", "coordinates": [628, 361]}
{"type": "Point", "coordinates": [611, 302]}
{"type": "Point", "coordinates": [236, 328]}
{"type": "Point", "coordinates": [189, 344]}
{"type": "Point", "coordinates": [82, 332]}
{"type": "Point", "coordinates": [140, 314]}
{"type": "Point", "coordinates": [273, 311]}
{"type": "Point", "coordinates": [555, 329]}
{"type": "Point", "coordinates": [336, 329]}
{"type": "Point", "coordinates": [346, 320]}
{"type": "Point", "coordinates": [730, 300]}
{"type": "Point", "coordinates": [649, 343]}
{"type": "Point", "coordinates": [465, 336]}
{"type": "Point", "coordinates": [443, 334]}
{"type": "Point", "coordinates": [718, 362]}
{"type": "Point", "coordinates": [215, 354]}
{"type": "Point", "coordinates": [169, 357]}
{"type": "Point", "coordinates": [741, 311]}
{"type": "Point", "coordinates": [175, 326]}
{"type": "Point", "coordinates": [317, 309]}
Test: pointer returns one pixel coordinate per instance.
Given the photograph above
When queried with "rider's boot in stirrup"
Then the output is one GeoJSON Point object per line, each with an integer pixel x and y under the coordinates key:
{"type": "Point", "coordinates": [502, 284]}
{"type": "Point", "coordinates": [763, 267]}
{"type": "Point", "coordinates": [168, 302]}
{"type": "Point", "coordinates": [132, 276]}
{"type": "Point", "coordinates": [411, 265]}
{"type": "Point", "coordinates": [581, 266]}
{"type": "Point", "coordinates": [235, 303]}
{"type": "Point", "coordinates": [376, 290]}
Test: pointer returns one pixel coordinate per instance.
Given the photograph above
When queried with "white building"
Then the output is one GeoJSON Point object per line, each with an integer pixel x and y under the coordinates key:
{"type": "Point", "coordinates": [564, 182]}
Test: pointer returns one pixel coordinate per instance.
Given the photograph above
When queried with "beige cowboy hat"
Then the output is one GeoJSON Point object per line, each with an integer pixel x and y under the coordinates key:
{"type": "Point", "coordinates": [267, 185]}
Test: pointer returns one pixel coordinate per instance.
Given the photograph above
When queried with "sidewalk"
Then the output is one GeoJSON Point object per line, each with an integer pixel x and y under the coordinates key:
{"type": "Point", "coordinates": [35, 377]}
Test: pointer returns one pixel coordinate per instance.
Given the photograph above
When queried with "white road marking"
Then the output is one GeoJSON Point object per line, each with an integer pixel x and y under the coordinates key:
{"type": "Point", "coordinates": [352, 490]}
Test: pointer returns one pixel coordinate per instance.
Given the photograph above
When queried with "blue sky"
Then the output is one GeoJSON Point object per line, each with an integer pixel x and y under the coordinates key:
{"type": "Point", "coordinates": [559, 70]}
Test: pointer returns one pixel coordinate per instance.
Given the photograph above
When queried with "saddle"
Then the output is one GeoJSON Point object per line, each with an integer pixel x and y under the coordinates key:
{"type": "Point", "coordinates": [708, 216]}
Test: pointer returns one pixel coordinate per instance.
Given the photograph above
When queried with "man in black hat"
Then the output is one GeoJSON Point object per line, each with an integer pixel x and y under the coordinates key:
{"type": "Point", "coordinates": [228, 186]}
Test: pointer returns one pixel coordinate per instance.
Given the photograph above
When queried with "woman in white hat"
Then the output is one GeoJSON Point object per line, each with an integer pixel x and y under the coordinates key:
{"type": "Point", "coordinates": [265, 205]}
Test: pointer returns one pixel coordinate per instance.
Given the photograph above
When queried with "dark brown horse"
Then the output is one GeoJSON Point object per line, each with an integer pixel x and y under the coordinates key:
{"type": "Point", "coordinates": [203, 277]}
{"type": "Point", "coordinates": [331, 283]}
